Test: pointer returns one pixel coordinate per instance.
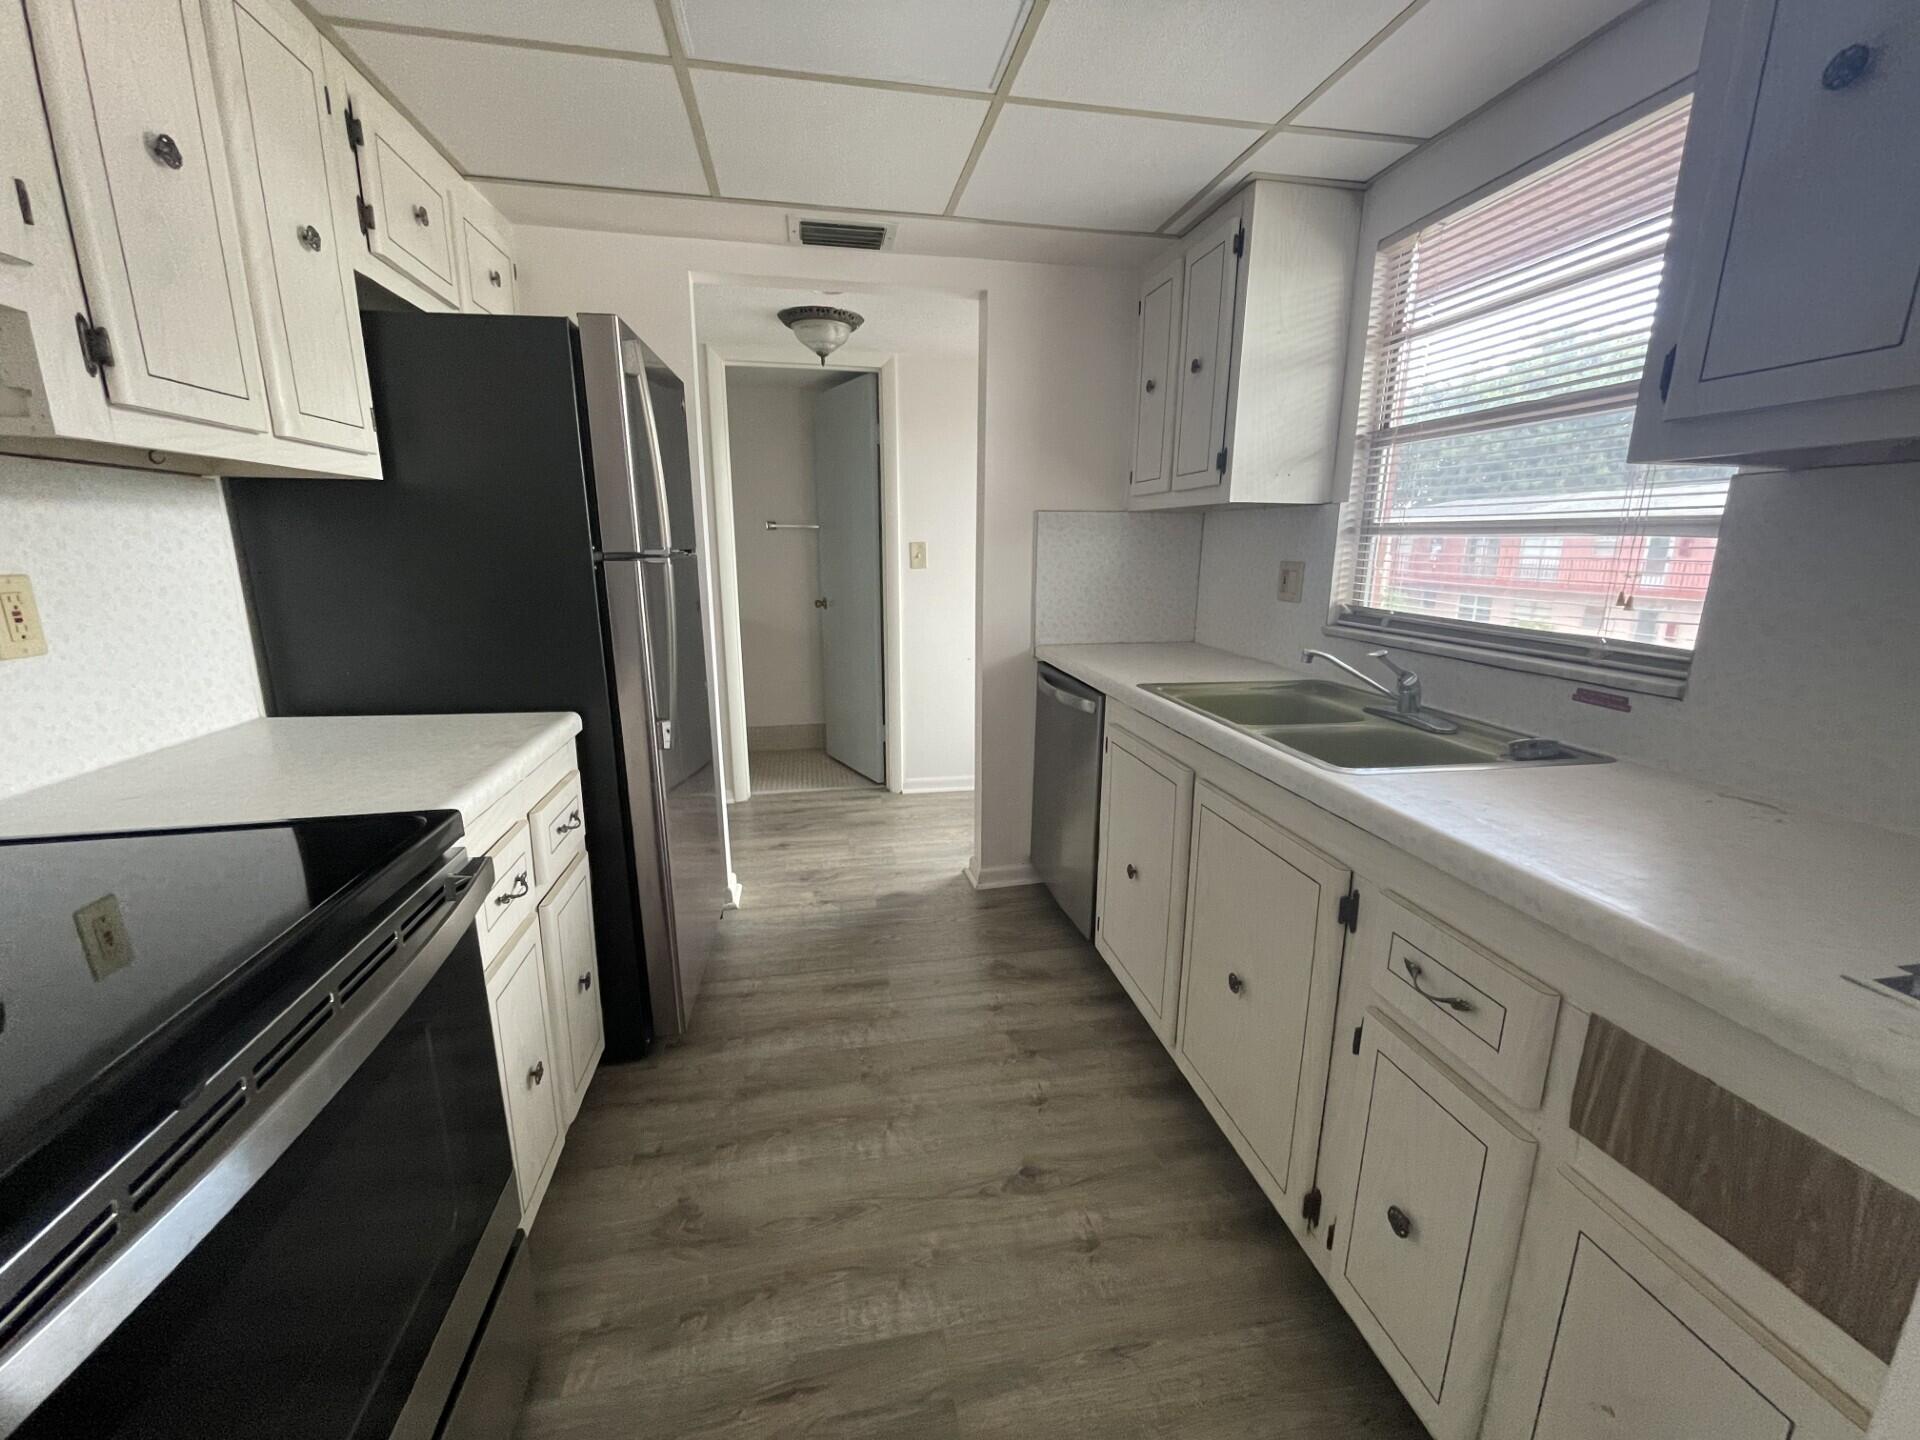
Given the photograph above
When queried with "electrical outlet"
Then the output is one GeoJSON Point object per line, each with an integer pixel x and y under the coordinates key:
{"type": "Point", "coordinates": [1293, 580]}
{"type": "Point", "coordinates": [20, 632]}
{"type": "Point", "coordinates": [103, 936]}
{"type": "Point", "coordinates": [916, 554]}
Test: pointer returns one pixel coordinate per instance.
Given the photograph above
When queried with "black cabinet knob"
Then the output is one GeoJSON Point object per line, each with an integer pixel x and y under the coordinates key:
{"type": "Point", "coordinates": [1399, 1221]}
{"type": "Point", "coordinates": [309, 237]}
{"type": "Point", "coordinates": [163, 148]}
{"type": "Point", "coordinates": [1235, 983]}
{"type": "Point", "coordinates": [1847, 66]}
{"type": "Point", "coordinates": [420, 215]}
{"type": "Point", "coordinates": [1195, 366]}
{"type": "Point", "coordinates": [1133, 872]}
{"type": "Point", "coordinates": [1151, 387]}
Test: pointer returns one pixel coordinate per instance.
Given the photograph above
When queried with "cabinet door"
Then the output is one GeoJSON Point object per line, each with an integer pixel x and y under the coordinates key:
{"type": "Point", "coordinates": [573, 971]}
{"type": "Point", "coordinates": [1144, 806]}
{"type": "Point", "coordinates": [527, 1076]}
{"type": "Point", "coordinates": [144, 163]}
{"type": "Point", "coordinates": [1634, 1350]}
{"type": "Point", "coordinates": [1429, 1236]}
{"type": "Point", "coordinates": [1205, 360]}
{"type": "Point", "coordinates": [1801, 190]}
{"type": "Point", "coordinates": [1262, 975]}
{"type": "Point", "coordinates": [1153, 380]}
{"type": "Point", "coordinates": [489, 270]}
{"type": "Point", "coordinates": [271, 77]}
{"type": "Point", "coordinates": [408, 190]}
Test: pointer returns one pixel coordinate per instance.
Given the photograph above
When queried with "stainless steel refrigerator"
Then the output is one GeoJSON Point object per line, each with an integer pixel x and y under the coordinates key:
{"type": "Point", "coordinates": [532, 547]}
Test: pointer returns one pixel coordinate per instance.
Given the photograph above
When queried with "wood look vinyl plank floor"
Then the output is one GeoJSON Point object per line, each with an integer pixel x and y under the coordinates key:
{"type": "Point", "coordinates": [919, 1170]}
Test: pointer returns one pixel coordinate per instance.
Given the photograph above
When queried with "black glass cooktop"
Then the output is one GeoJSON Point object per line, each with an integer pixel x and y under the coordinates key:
{"type": "Point", "coordinates": [110, 943]}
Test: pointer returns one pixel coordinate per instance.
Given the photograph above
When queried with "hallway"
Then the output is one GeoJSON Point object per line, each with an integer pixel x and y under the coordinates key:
{"type": "Point", "coordinates": [920, 1171]}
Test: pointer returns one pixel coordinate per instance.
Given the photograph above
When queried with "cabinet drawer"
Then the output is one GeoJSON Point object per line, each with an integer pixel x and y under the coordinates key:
{"type": "Point", "coordinates": [513, 896]}
{"type": "Point", "coordinates": [1146, 799]}
{"type": "Point", "coordinates": [1495, 1019]}
{"type": "Point", "coordinates": [489, 271]}
{"type": "Point", "coordinates": [559, 826]}
{"type": "Point", "coordinates": [1428, 1238]}
{"type": "Point", "coordinates": [566, 940]}
{"type": "Point", "coordinates": [528, 1083]}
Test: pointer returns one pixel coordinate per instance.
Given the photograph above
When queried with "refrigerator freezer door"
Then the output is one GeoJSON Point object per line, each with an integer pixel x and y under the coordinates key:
{"type": "Point", "coordinates": [630, 492]}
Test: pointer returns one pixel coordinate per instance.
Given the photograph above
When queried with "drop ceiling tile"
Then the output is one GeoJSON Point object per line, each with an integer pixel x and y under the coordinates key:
{"type": "Point", "coordinates": [811, 142]}
{"type": "Point", "coordinates": [1083, 167]}
{"type": "Point", "coordinates": [610, 24]}
{"type": "Point", "coordinates": [1323, 157]}
{"type": "Point", "coordinates": [1450, 58]}
{"type": "Point", "coordinates": [1234, 59]}
{"type": "Point", "coordinates": [920, 42]}
{"type": "Point", "coordinates": [540, 114]}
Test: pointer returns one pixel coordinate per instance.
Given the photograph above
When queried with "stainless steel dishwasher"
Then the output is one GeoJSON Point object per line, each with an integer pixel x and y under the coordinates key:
{"type": "Point", "coordinates": [1066, 790]}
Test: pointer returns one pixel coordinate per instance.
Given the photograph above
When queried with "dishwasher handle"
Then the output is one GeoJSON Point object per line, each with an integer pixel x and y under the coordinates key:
{"type": "Point", "coordinates": [1077, 702]}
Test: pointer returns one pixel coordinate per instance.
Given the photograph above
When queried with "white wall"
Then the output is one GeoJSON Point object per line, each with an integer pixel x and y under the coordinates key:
{"type": "Point", "coordinates": [939, 410]}
{"type": "Point", "coordinates": [1807, 673]}
{"type": "Point", "coordinates": [770, 438]}
{"type": "Point", "coordinates": [1055, 390]}
{"type": "Point", "coordinates": [139, 592]}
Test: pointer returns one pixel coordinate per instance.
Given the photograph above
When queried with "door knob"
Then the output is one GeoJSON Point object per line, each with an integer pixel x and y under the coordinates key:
{"type": "Point", "coordinates": [1399, 1221]}
{"type": "Point", "coordinates": [1235, 983]}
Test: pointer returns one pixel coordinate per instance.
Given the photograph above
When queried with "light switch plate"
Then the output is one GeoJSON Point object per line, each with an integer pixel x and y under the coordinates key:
{"type": "Point", "coordinates": [103, 936]}
{"type": "Point", "coordinates": [1293, 580]}
{"type": "Point", "coordinates": [916, 554]}
{"type": "Point", "coordinates": [20, 632]}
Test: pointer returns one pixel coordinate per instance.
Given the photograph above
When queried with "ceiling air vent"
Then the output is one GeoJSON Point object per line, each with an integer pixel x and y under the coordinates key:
{"type": "Point", "coordinates": [841, 234]}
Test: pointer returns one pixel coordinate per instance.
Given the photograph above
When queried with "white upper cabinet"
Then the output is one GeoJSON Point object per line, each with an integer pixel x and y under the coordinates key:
{"type": "Point", "coordinates": [1153, 380]}
{"type": "Point", "coordinates": [1259, 323]}
{"type": "Point", "coordinates": [144, 164]}
{"type": "Point", "coordinates": [490, 275]}
{"type": "Point", "coordinates": [1787, 321]}
{"type": "Point", "coordinates": [268, 66]}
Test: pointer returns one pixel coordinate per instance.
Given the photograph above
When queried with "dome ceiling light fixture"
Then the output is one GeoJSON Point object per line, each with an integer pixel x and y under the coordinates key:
{"type": "Point", "coordinates": [823, 329]}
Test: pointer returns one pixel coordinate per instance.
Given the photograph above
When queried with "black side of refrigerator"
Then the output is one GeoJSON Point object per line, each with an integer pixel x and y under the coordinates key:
{"type": "Point", "coordinates": [463, 581]}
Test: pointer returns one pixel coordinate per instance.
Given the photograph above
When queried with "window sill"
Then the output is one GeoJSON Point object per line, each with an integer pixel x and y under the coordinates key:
{"type": "Point", "coordinates": [1606, 677]}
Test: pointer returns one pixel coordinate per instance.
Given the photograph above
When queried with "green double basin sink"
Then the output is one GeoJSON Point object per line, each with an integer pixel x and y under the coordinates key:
{"type": "Point", "coordinates": [1329, 724]}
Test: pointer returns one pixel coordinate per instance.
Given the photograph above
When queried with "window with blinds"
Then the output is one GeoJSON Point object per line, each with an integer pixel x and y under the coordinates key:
{"type": "Point", "coordinates": [1493, 503]}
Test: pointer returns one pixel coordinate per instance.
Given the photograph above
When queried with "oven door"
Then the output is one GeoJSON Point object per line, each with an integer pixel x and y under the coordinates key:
{"type": "Point", "coordinates": [340, 1296]}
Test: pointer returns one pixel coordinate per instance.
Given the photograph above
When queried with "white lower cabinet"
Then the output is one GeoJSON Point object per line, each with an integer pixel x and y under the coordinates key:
{"type": "Point", "coordinates": [1626, 1349]}
{"type": "Point", "coordinates": [529, 1080]}
{"type": "Point", "coordinates": [1146, 799]}
{"type": "Point", "coordinates": [573, 980]}
{"type": "Point", "coordinates": [1260, 983]}
{"type": "Point", "coordinates": [1426, 1242]}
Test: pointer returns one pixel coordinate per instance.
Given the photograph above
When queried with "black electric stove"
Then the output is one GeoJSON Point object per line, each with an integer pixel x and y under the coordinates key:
{"type": "Point", "coordinates": [254, 1168]}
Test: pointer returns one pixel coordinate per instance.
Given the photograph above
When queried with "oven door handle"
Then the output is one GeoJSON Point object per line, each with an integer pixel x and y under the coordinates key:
{"type": "Point", "coordinates": [137, 1248]}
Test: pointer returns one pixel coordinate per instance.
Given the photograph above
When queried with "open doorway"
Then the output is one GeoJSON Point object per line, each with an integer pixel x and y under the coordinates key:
{"type": "Point", "coordinates": [808, 535]}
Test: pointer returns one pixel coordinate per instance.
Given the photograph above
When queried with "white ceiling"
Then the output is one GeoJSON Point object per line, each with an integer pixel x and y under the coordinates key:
{"type": "Point", "coordinates": [913, 322]}
{"type": "Point", "coordinates": [1125, 116]}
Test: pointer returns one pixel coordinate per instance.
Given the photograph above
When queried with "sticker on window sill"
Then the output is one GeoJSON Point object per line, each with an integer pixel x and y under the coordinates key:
{"type": "Point", "coordinates": [1605, 699]}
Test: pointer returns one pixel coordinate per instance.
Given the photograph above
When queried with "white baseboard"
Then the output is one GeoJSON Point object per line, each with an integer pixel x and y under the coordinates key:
{"type": "Point", "coordinates": [936, 784]}
{"type": "Point", "coordinates": [999, 877]}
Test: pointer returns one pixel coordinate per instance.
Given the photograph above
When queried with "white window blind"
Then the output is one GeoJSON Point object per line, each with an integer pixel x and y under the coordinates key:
{"type": "Point", "coordinates": [1493, 502]}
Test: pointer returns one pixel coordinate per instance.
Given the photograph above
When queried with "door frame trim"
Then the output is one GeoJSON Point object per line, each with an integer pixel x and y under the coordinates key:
{"type": "Point", "coordinates": [715, 361]}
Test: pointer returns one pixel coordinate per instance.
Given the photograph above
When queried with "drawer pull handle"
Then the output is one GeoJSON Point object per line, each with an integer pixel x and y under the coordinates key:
{"type": "Point", "coordinates": [572, 823]}
{"type": "Point", "coordinates": [520, 888]}
{"type": "Point", "coordinates": [166, 150]}
{"type": "Point", "coordinates": [309, 238]}
{"type": "Point", "coordinates": [586, 982]}
{"type": "Point", "coordinates": [1457, 1003]}
{"type": "Point", "coordinates": [420, 215]}
{"type": "Point", "coordinates": [1399, 1221]}
{"type": "Point", "coordinates": [1846, 67]}
{"type": "Point", "coordinates": [537, 1073]}
{"type": "Point", "coordinates": [1235, 983]}
{"type": "Point", "coordinates": [1133, 872]}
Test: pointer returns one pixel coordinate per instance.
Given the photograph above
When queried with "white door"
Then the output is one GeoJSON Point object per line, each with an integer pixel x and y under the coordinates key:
{"type": "Point", "coordinates": [144, 163]}
{"type": "Point", "coordinates": [846, 482]}
{"type": "Point", "coordinates": [1261, 978]}
{"type": "Point", "coordinates": [1805, 257]}
{"type": "Point", "coordinates": [1153, 380]}
{"type": "Point", "coordinates": [1206, 354]}
{"type": "Point", "coordinates": [272, 87]}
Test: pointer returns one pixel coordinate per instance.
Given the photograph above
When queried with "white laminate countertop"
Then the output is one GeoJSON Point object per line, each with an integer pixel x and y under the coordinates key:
{"type": "Point", "coordinates": [1749, 909]}
{"type": "Point", "coordinates": [284, 769]}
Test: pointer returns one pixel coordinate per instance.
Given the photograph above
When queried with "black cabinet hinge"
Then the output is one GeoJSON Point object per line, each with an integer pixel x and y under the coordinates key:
{"type": "Point", "coordinates": [1666, 372]}
{"type": "Point", "coordinates": [1310, 1207]}
{"type": "Point", "coordinates": [326, 92]}
{"type": "Point", "coordinates": [366, 216]}
{"type": "Point", "coordinates": [1350, 910]}
{"type": "Point", "coordinates": [1358, 1031]}
{"type": "Point", "coordinates": [356, 132]}
{"type": "Point", "coordinates": [1240, 240]}
{"type": "Point", "coordinates": [1220, 460]}
{"type": "Point", "coordinates": [95, 348]}
{"type": "Point", "coordinates": [26, 200]}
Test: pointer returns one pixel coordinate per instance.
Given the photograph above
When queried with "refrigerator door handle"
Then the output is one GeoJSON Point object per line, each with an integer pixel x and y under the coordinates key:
{"type": "Point", "coordinates": [633, 362]}
{"type": "Point", "coordinates": [673, 665]}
